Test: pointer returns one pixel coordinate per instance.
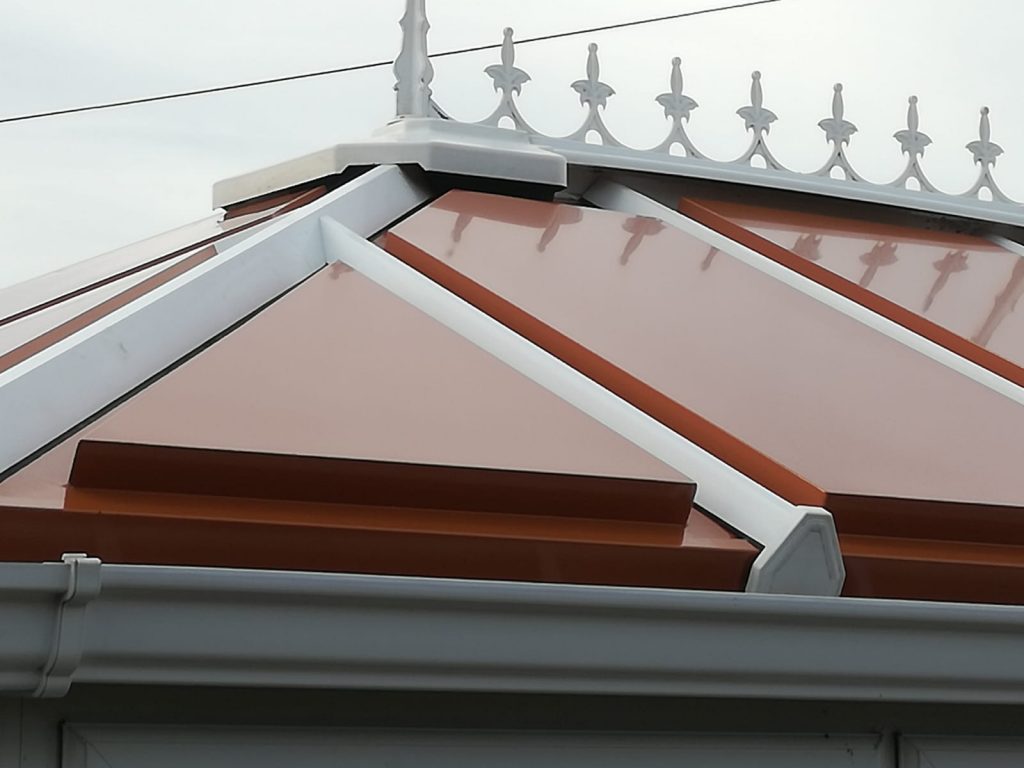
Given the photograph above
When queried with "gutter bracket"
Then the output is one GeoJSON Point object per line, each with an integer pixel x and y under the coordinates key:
{"type": "Point", "coordinates": [69, 629]}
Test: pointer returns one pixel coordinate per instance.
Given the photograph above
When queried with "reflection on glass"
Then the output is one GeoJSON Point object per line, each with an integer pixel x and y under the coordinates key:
{"type": "Point", "coordinates": [638, 227]}
{"type": "Point", "coordinates": [950, 264]}
{"type": "Point", "coordinates": [461, 222]}
{"type": "Point", "coordinates": [561, 216]}
{"type": "Point", "coordinates": [883, 254]}
{"type": "Point", "coordinates": [945, 280]}
{"type": "Point", "coordinates": [1005, 303]}
{"type": "Point", "coordinates": [709, 259]}
{"type": "Point", "coordinates": [551, 223]}
{"type": "Point", "coordinates": [808, 246]}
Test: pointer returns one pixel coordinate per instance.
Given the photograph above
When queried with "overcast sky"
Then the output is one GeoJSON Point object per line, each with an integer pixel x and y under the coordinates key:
{"type": "Point", "coordinates": [75, 186]}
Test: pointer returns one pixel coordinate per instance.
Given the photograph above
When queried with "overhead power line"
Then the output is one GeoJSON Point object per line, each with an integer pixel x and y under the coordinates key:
{"type": "Point", "coordinates": [373, 64]}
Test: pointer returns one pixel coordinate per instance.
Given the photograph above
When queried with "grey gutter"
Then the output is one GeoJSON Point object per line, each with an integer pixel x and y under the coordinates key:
{"type": "Point", "coordinates": [203, 626]}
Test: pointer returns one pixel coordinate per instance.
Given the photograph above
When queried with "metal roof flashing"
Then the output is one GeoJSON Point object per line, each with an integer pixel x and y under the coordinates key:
{"type": "Point", "coordinates": [505, 147]}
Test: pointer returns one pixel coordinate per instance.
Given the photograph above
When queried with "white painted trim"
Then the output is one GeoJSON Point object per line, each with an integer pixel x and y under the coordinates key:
{"type": "Point", "coordinates": [432, 144]}
{"type": "Point", "coordinates": [1011, 245]}
{"type": "Point", "coordinates": [56, 389]}
{"type": "Point", "coordinates": [616, 196]}
{"type": "Point", "coordinates": [200, 626]}
{"type": "Point", "coordinates": [801, 552]}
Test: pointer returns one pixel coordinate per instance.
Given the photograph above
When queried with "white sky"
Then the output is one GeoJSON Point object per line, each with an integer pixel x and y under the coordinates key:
{"type": "Point", "coordinates": [75, 186]}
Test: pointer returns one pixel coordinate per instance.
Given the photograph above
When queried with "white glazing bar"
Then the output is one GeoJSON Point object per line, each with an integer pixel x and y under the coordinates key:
{"type": "Point", "coordinates": [58, 388]}
{"type": "Point", "coordinates": [613, 195]}
{"type": "Point", "coordinates": [801, 552]}
{"type": "Point", "coordinates": [1010, 245]}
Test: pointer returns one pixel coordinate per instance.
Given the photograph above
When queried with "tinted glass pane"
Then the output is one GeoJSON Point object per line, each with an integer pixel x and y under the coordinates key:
{"type": "Point", "coordinates": [962, 284]}
{"type": "Point", "coordinates": [339, 372]}
{"type": "Point", "coordinates": [799, 396]}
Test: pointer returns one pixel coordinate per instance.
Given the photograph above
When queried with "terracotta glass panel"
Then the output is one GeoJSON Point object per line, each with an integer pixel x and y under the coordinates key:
{"type": "Point", "coordinates": [804, 399]}
{"type": "Point", "coordinates": [342, 429]}
{"type": "Point", "coordinates": [40, 293]}
{"type": "Point", "coordinates": [957, 290]}
{"type": "Point", "coordinates": [26, 332]}
{"type": "Point", "coordinates": [340, 368]}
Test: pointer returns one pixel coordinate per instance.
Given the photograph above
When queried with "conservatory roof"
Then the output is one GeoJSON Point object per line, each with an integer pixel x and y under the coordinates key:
{"type": "Point", "coordinates": [474, 351]}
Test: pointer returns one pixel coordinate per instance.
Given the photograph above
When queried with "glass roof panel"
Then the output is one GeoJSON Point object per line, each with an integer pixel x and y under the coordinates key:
{"type": "Point", "coordinates": [341, 429]}
{"type": "Point", "coordinates": [958, 290]}
{"type": "Point", "coordinates": [808, 401]}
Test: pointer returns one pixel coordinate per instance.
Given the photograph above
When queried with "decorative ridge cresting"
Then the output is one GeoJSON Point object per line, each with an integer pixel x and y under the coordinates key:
{"type": "Point", "coordinates": [506, 146]}
{"type": "Point", "coordinates": [594, 94]}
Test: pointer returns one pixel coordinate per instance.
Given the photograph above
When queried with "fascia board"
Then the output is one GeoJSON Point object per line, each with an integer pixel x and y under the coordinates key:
{"type": "Point", "coordinates": [56, 389]}
{"type": "Point", "coordinates": [800, 552]}
{"type": "Point", "coordinates": [194, 626]}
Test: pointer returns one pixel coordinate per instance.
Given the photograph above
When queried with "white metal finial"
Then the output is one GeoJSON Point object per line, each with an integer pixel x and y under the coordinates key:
{"type": "Point", "coordinates": [985, 152]}
{"type": "Point", "coordinates": [413, 70]}
{"type": "Point", "coordinates": [508, 81]}
{"type": "Point", "coordinates": [594, 96]}
{"type": "Point", "coordinates": [677, 107]}
{"type": "Point", "coordinates": [913, 143]}
{"type": "Point", "coordinates": [837, 130]}
{"type": "Point", "coordinates": [758, 120]}
{"type": "Point", "coordinates": [592, 91]}
{"type": "Point", "coordinates": [912, 140]}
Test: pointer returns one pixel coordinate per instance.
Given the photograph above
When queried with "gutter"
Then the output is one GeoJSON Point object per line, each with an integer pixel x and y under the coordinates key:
{"type": "Point", "coordinates": [150, 625]}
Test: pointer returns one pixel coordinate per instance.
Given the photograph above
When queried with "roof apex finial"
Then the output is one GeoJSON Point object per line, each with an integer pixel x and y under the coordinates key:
{"type": "Point", "coordinates": [413, 70]}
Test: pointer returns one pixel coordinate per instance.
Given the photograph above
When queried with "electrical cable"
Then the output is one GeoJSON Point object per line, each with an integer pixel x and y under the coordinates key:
{"type": "Point", "coordinates": [372, 65]}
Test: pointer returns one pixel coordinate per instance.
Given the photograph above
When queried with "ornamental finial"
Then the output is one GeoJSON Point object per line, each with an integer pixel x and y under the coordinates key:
{"type": "Point", "coordinates": [911, 140]}
{"type": "Point", "coordinates": [837, 129]}
{"type": "Point", "coordinates": [757, 118]}
{"type": "Point", "coordinates": [413, 70]}
{"type": "Point", "coordinates": [985, 150]}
